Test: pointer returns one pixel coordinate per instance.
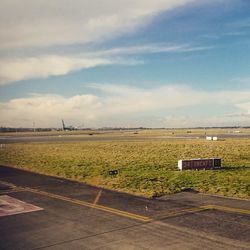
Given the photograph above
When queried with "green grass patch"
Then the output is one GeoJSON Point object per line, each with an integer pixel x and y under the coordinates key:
{"type": "Point", "coordinates": [147, 168]}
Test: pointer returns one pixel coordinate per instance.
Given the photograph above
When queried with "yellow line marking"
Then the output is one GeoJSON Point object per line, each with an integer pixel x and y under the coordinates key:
{"type": "Point", "coordinates": [8, 184]}
{"type": "Point", "coordinates": [202, 208]}
{"type": "Point", "coordinates": [124, 213]}
{"type": "Point", "coordinates": [13, 190]}
{"type": "Point", "coordinates": [181, 212]}
{"type": "Point", "coordinates": [227, 209]}
{"type": "Point", "coordinates": [87, 204]}
{"type": "Point", "coordinates": [83, 203]}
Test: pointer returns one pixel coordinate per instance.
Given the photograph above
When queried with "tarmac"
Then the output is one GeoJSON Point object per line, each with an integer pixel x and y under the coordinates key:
{"type": "Point", "coordinates": [6, 139]}
{"type": "Point", "coordinates": [43, 212]}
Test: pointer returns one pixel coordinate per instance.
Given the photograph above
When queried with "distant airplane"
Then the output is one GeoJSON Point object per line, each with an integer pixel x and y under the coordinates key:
{"type": "Point", "coordinates": [65, 128]}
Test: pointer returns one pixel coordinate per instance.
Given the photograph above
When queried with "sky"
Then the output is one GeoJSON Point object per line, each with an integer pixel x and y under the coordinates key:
{"type": "Point", "coordinates": [124, 63]}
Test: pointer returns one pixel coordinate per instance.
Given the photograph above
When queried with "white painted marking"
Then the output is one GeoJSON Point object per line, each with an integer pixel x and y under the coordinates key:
{"type": "Point", "coordinates": [11, 206]}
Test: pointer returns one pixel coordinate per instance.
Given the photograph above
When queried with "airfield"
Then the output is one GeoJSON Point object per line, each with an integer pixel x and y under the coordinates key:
{"type": "Point", "coordinates": [45, 212]}
{"type": "Point", "coordinates": [127, 135]}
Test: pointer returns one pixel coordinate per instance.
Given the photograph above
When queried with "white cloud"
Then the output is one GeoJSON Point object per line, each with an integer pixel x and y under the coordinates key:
{"type": "Point", "coordinates": [245, 106]}
{"type": "Point", "coordinates": [151, 48]}
{"type": "Point", "coordinates": [119, 105]}
{"type": "Point", "coordinates": [30, 23]}
{"type": "Point", "coordinates": [168, 96]}
{"type": "Point", "coordinates": [244, 80]}
{"type": "Point", "coordinates": [16, 69]}
{"type": "Point", "coordinates": [48, 110]}
{"type": "Point", "coordinates": [12, 70]}
{"type": "Point", "coordinates": [28, 27]}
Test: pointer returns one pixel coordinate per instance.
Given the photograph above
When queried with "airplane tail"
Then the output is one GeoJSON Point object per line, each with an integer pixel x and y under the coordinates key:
{"type": "Point", "coordinates": [63, 124]}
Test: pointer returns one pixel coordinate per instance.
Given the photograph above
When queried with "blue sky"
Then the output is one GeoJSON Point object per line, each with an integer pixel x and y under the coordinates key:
{"type": "Point", "coordinates": [162, 63]}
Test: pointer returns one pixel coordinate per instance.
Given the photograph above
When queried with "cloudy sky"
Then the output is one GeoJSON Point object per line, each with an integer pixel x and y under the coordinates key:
{"type": "Point", "coordinates": [125, 63]}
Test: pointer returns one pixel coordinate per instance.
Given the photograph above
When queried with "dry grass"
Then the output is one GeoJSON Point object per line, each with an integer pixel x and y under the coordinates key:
{"type": "Point", "coordinates": [147, 168]}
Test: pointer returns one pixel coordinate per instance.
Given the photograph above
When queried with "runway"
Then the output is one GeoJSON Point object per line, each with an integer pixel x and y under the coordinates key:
{"type": "Point", "coordinates": [107, 137]}
{"type": "Point", "coordinates": [62, 214]}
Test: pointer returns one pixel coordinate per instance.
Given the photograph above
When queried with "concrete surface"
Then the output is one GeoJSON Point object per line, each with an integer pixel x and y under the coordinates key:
{"type": "Point", "coordinates": [79, 216]}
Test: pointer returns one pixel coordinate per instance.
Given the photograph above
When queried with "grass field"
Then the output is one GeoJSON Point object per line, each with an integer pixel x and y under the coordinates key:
{"type": "Point", "coordinates": [147, 168]}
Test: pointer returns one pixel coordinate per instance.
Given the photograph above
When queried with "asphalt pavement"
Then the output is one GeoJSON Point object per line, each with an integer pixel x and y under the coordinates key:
{"type": "Point", "coordinates": [104, 137]}
{"type": "Point", "coordinates": [42, 212]}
